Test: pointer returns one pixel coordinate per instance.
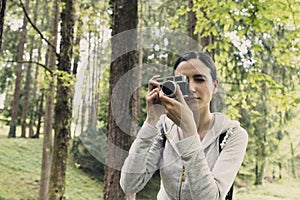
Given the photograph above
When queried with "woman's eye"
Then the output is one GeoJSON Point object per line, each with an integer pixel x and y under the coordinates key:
{"type": "Point", "coordinates": [200, 80]}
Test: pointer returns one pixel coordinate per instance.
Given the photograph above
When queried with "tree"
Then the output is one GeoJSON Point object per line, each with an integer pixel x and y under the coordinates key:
{"type": "Point", "coordinates": [124, 18]}
{"type": "Point", "coordinates": [2, 14]}
{"type": "Point", "coordinates": [18, 71]}
{"type": "Point", "coordinates": [49, 110]}
{"type": "Point", "coordinates": [192, 21]}
{"type": "Point", "coordinates": [256, 52]}
{"type": "Point", "coordinates": [27, 87]}
{"type": "Point", "coordinates": [63, 112]}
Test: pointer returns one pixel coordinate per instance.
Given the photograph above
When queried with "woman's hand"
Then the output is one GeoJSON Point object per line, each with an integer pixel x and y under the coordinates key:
{"type": "Point", "coordinates": [154, 108]}
{"type": "Point", "coordinates": [179, 112]}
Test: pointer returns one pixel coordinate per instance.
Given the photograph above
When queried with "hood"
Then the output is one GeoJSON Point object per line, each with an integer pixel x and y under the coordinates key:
{"type": "Point", "coordinates": [222, 123]}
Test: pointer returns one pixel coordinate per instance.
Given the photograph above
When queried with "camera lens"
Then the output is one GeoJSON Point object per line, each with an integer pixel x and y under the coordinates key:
{"type": "Point", "coordinates": [169, 88]}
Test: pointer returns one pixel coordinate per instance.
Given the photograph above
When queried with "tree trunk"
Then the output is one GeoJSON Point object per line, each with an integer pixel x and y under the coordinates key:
{"type": "Point", "coordinates": [206, 40]}
{"type": "Point", "coordinates": [293, 159]}
{"type": "Point", "coordinates": [259, 171]}
{"type": "Point", "coordinates": [63, 112]}
{"type": "Point", "coordinates": [40, 114]}
{"type": "Point", "coordinates": [49, 110]}
{"type": "Point", "coordinates": [28, 79]}
{"type": "Point", "coordinates": [18, 70]}
{"type": "Point", "coordinates": [26, 96]}
{"type": "Point", "coordinates": [34, 107]}
{"type": "Point", "coordinates": [2, 14]}
{"type": "Point", "coordinates": [191, 25]}
{"type": "Point", "coordinates": [83, 109]}
{"type": "Point", "coordinates": [92, 112]}
{"type": "Point", "coordinates": [77, 46]}
{"type": "Point", "coordinates": [124, 18]}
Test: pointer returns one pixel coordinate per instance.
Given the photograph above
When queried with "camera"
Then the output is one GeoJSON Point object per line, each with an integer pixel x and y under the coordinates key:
{"type": "Point", "coordinates": [168, 85]}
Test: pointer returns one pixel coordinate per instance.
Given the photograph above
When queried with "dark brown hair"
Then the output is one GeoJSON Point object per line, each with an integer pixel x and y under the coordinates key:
{"type": "Point", "coordinates": [203, 57]}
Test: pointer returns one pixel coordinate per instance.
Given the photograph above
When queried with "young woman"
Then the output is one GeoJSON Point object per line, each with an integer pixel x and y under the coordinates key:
{"type": "Point", "coordinates": [180, 137]}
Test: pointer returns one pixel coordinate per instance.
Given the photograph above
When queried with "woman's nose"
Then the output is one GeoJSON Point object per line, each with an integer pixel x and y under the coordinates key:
{"type": "Point", "coordinates": [192, 87]}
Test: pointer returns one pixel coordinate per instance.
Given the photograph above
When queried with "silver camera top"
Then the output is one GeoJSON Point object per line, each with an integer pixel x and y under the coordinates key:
{"type": "Point", "coordinates": [168, 85]}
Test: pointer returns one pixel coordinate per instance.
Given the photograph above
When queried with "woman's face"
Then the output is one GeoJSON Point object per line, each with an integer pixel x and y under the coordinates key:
{"type": "Point", "coordinates": [202, 87]}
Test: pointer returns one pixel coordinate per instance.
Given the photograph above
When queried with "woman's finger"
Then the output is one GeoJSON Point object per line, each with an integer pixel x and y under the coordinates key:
{"type": "Point", "coordinates": [152, 97]}
{"type": "Point", "coordinates": [153, 83]}
{"type": "Point", "coordinates": [180, 95]}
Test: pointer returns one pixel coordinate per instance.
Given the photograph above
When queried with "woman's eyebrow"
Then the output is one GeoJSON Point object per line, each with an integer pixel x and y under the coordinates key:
{"type": "Point", "coordinates": [199, 76]}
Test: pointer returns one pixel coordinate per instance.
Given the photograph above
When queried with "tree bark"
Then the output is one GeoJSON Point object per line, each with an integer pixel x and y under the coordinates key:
{"type": "Point", "coordinates": [35, 107]}
{"type": "Point", "coordinates": [26, 104]}
{"type": "Point", "coordinates": [18, 71]}
{"type": "Point", "coordinates": [77, 45]}
{"type": "Point", "coordinates": [49, 109]}
{"type": "Point", "coordinates": [40, 114]}
{"type": "Point", "coordinates": [63, 111]}
{"type": "Point", "coordinates": [192, 25]}
{"type": "Point", "coordinates": [124, 18]}
{"type": "Point", "coordinates": [2, 14]}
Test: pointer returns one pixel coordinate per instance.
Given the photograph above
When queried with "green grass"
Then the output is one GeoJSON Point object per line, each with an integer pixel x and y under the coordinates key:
{"type": "Point", "coordinates": [20, 166]}
{"type": "Point", "coordinates": [279, 190]}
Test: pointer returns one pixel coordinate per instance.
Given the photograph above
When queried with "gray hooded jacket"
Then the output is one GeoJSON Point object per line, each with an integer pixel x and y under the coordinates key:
{"type": "Point", "coordinates": [189, 168]}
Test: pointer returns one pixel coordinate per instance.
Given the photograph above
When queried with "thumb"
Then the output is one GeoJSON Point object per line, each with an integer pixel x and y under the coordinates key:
{"type": "Point", "coordinates": [180, 95]}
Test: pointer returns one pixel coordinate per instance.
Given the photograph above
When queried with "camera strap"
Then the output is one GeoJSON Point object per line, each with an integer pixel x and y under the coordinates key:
{"type": "Point", "coordinates": [222, 141]}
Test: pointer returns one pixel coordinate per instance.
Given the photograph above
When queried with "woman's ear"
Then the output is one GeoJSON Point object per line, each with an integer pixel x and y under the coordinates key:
{"type": "Point", "coordinates": [216, 84]}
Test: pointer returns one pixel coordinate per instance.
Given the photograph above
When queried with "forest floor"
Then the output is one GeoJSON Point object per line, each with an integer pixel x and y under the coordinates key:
{"type": "Point", "coordinates": [20, 168]}
{"type": "Point", "coordinates": [20, 165]}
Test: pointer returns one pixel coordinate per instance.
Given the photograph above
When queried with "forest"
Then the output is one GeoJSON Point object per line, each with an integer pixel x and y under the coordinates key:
{"type": "Point", "coordinates": [74, 75]}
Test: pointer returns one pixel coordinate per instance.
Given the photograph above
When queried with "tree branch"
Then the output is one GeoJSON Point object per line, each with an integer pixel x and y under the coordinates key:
{"type": "Point", "coordinates": [33, 62]}
{"type": "Point", "coordinates": [36, 29]}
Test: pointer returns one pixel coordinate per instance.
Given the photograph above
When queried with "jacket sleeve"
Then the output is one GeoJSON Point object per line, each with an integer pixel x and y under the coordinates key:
{"type": "Point", "coordinates": [143, 159]}
{"type": "Point", "coordinates": [212, 184]}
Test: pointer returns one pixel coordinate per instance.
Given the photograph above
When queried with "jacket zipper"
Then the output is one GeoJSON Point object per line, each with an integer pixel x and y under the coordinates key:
{"type": "Point", "coordinates": [182, 178]}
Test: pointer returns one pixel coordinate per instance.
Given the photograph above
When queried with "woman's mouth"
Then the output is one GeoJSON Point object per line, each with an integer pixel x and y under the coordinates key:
{"type": "Point", "coordinates": [190, 99]}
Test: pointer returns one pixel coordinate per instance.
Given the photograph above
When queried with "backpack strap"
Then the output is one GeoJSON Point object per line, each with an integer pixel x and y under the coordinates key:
{"type": "Point", "coordinates": [221, 146]}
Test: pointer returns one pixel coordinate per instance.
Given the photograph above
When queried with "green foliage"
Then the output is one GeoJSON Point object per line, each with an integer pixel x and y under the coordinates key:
{"type": "Point", "coordinates": [85, 161]}
{"type": "Point", "coordinates": [6, 75]}
{"type": "Point", "coordinates": [256, 49]}
{"type": "Point", "coordinates": [66, 79]}
{"type": "Point", "coordinates": [256, 46]}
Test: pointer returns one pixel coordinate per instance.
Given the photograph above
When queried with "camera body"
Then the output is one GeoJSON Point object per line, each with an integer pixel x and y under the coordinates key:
{"type": "Point", "coordinates": [168, 85]}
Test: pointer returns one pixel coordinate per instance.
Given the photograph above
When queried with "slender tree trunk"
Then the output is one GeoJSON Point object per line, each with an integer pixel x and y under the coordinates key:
{"type": "Point", "coordinates": [26, 97]}
{"type": "Point", "coordinates": [49, 109]}
{"type": "Point", "coordinates": [260, 171]}
{"type": "Point", "coordinates": [34, 107]}
{"type": "Point", "coordinates": [93, 114]}
{"type": "Point", "coordinates": [124, 18]}
{"type": "Point", "coordinates": [28, 80]}
{"type": "Point", "coordinates": [89, 82]}
{"type": "Point", "coordinates": [83, 110]}
{"type": "Point", "coordinates": [2, 14]}
{"type": "Point", "coordinates": [192, 25]}
{"type": "Point", "coordinates": [40, 114]}
{"type": "Point", "coordinates": [136, 99]}
{"type": "Point", "coordinates": [63, 112]}
{"type": "Point", "coordinates": [293, 160]}
{"type": "Point", "coordinates": [261, 132]}
{"type": "Point", "coordinates": [206, 40]}
{"type": "Point", "coordinates": [77, 46]}
{"type": "Point", "coordinates": [18, 71]}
